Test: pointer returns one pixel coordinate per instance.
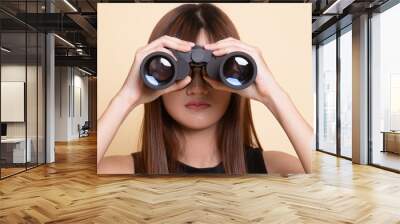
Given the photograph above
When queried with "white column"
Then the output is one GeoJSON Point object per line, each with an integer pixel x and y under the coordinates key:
{"type": "Point", "coordinates": [50, 92]}
{"type": "Point", "coordinates": [360, 90]}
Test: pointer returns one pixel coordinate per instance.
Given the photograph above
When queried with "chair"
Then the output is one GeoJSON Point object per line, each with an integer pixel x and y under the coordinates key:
{"type": "Point", "coordinates": [84, 130]}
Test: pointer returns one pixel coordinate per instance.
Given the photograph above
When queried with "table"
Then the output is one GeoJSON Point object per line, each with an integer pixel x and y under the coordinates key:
{"type": "Point", "coordinates": [16, 147]}
{"type": "Point", "coordinates": [391, 141]}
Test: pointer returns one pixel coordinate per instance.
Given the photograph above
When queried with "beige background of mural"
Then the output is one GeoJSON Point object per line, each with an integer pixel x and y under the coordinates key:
{"type": "Point", "coordinates": [282, 31]}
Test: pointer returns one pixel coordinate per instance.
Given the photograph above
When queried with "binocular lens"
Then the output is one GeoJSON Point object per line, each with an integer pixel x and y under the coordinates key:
{"type": "Point", "coordinates": [158, 71]}
{"type": "Point", "coordinates": [237, 71]}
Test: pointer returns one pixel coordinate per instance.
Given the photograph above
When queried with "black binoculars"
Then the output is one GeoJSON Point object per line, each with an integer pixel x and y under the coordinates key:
{"type": "Point", "coordinates": [236, 70]}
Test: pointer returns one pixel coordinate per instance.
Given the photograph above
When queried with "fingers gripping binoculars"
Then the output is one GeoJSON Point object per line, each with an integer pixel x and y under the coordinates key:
{"type": "Point", "coordinates": [236, 70]}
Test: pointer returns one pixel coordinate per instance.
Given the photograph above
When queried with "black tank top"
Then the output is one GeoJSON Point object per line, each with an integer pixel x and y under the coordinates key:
{"type": "Point", "coordinates": [253, 158]}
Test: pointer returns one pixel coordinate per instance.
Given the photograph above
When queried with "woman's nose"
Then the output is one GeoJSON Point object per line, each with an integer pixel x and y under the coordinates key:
{"type": "Point", "coordinates": [198, 85]}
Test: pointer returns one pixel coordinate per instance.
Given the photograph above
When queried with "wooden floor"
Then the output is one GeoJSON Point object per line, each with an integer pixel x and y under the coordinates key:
{"type": "Point", "coordinates": [10, 171]}
{"type": "Point", "coordinates": [69, 191]}
{"type": "Point", "coordinates": [388, 159]}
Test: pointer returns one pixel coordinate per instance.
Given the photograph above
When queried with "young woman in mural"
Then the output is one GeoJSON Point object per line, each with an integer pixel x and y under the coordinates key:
{"type": "Point", "coordinates": [199, 125]}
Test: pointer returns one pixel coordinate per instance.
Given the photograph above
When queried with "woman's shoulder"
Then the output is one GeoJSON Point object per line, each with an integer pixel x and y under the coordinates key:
{"type": "Point", "coordinates": [115, 164]}
{"type": "Point", "coordinates": [255, 160]}
{"type": "Point", "coordinates": [283, 163]}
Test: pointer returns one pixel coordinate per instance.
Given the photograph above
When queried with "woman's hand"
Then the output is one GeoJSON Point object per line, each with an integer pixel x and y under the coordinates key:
{"type": "Point", "coordinates": [134, 90]}
{"type": "Point", "coordinates": [264, 86]}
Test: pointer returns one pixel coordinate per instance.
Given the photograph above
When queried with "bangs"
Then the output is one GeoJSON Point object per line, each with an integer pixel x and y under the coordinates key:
{"type": "Point", "coordinates": [186, 21]}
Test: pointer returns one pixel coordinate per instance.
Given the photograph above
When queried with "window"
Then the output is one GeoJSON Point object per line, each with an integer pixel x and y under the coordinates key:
{"type": "Point", "coordinates": [327, 95]}
{"type": "Point", "coordinates": [346, 92]}
{"type": "Point", "coordinates": [22, 77]}
{"type": "Point", "coordinates": [385, 88]}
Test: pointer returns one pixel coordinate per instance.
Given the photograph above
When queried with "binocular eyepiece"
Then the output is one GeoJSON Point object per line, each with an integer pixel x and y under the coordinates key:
{"type": "Point", "coordinates": [236, 70]}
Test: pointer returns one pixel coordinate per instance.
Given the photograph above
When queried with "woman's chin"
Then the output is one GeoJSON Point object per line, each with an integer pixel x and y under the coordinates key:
{"type": "Point", "coordinates": [195, 124]}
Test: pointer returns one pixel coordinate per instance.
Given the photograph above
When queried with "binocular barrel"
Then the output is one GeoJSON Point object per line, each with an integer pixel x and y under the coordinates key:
{"type": "Point", "coordinates": [236, 70]}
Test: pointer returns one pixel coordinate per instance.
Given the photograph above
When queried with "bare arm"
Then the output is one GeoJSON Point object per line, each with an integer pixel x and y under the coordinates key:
{"type": "Point", "coordinates": [132, 93]}
{"type": "Point", "coordinates": [109, 123]}
{"type": "Point", "coordinates": [299, 132]}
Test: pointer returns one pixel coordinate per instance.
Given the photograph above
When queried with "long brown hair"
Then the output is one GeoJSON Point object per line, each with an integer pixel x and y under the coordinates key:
{"type": "Point", "coordinates": [159, 140]}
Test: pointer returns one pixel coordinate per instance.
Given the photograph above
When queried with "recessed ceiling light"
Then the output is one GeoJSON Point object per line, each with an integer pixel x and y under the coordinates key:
{"type": "Point", "coordinates": [64, 40]}
{"type": "Point", "coordinates": [337, 7]}
{"type": "Point", "coordinates": [84, 71]}
{"type": "Point", "coordinates": [5, 50]}
{"type": "Point", "coordinates": [70, 5]}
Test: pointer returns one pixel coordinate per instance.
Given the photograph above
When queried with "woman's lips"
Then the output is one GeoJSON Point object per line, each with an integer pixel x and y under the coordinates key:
{"type": "Point", "coordinates": [197, 105]}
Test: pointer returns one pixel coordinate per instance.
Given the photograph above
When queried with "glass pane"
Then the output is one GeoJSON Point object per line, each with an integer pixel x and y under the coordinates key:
{"type": "Point", "coordinates": [386, 88]}
{"type": "Point", "coordinates": [346, 94]}
{"type": "Point", "coordinates": [22, 89]}
{"type": "Point", "coordinates": [31, 85]}
{"type": "Point", "coordinates": [327, 96]}
{"type": "Point", "coordinates": [31, 100]}
{"type": "Point", "coordinates": [41, 98]}
{"type": "Point", "coordinates": [13, 90]}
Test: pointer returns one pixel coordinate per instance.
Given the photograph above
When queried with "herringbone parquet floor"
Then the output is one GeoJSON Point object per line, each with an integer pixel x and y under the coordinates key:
{"type": "Point", "coordinates": [69, 191]}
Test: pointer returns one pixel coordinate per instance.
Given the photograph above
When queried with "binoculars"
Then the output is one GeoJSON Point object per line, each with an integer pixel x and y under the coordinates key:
{"type": "Point", "coordinates": [236, 70]}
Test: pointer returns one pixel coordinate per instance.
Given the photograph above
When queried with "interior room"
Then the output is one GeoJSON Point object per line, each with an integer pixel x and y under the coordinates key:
{"type": "Point", "coordinates": [49, 120]}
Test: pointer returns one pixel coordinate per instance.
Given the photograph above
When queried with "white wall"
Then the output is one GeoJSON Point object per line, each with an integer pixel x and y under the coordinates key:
{"type": "Point", "coordinates": [71, 94]}
{"type": "Point", "coordinates": [16, 72]}
{"type": "Point", "coordinates": [12, 73]}
{"type": "Point", "coordinates": [81, 103]}
{"type": "Point", "coordinates": [62, 81]}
